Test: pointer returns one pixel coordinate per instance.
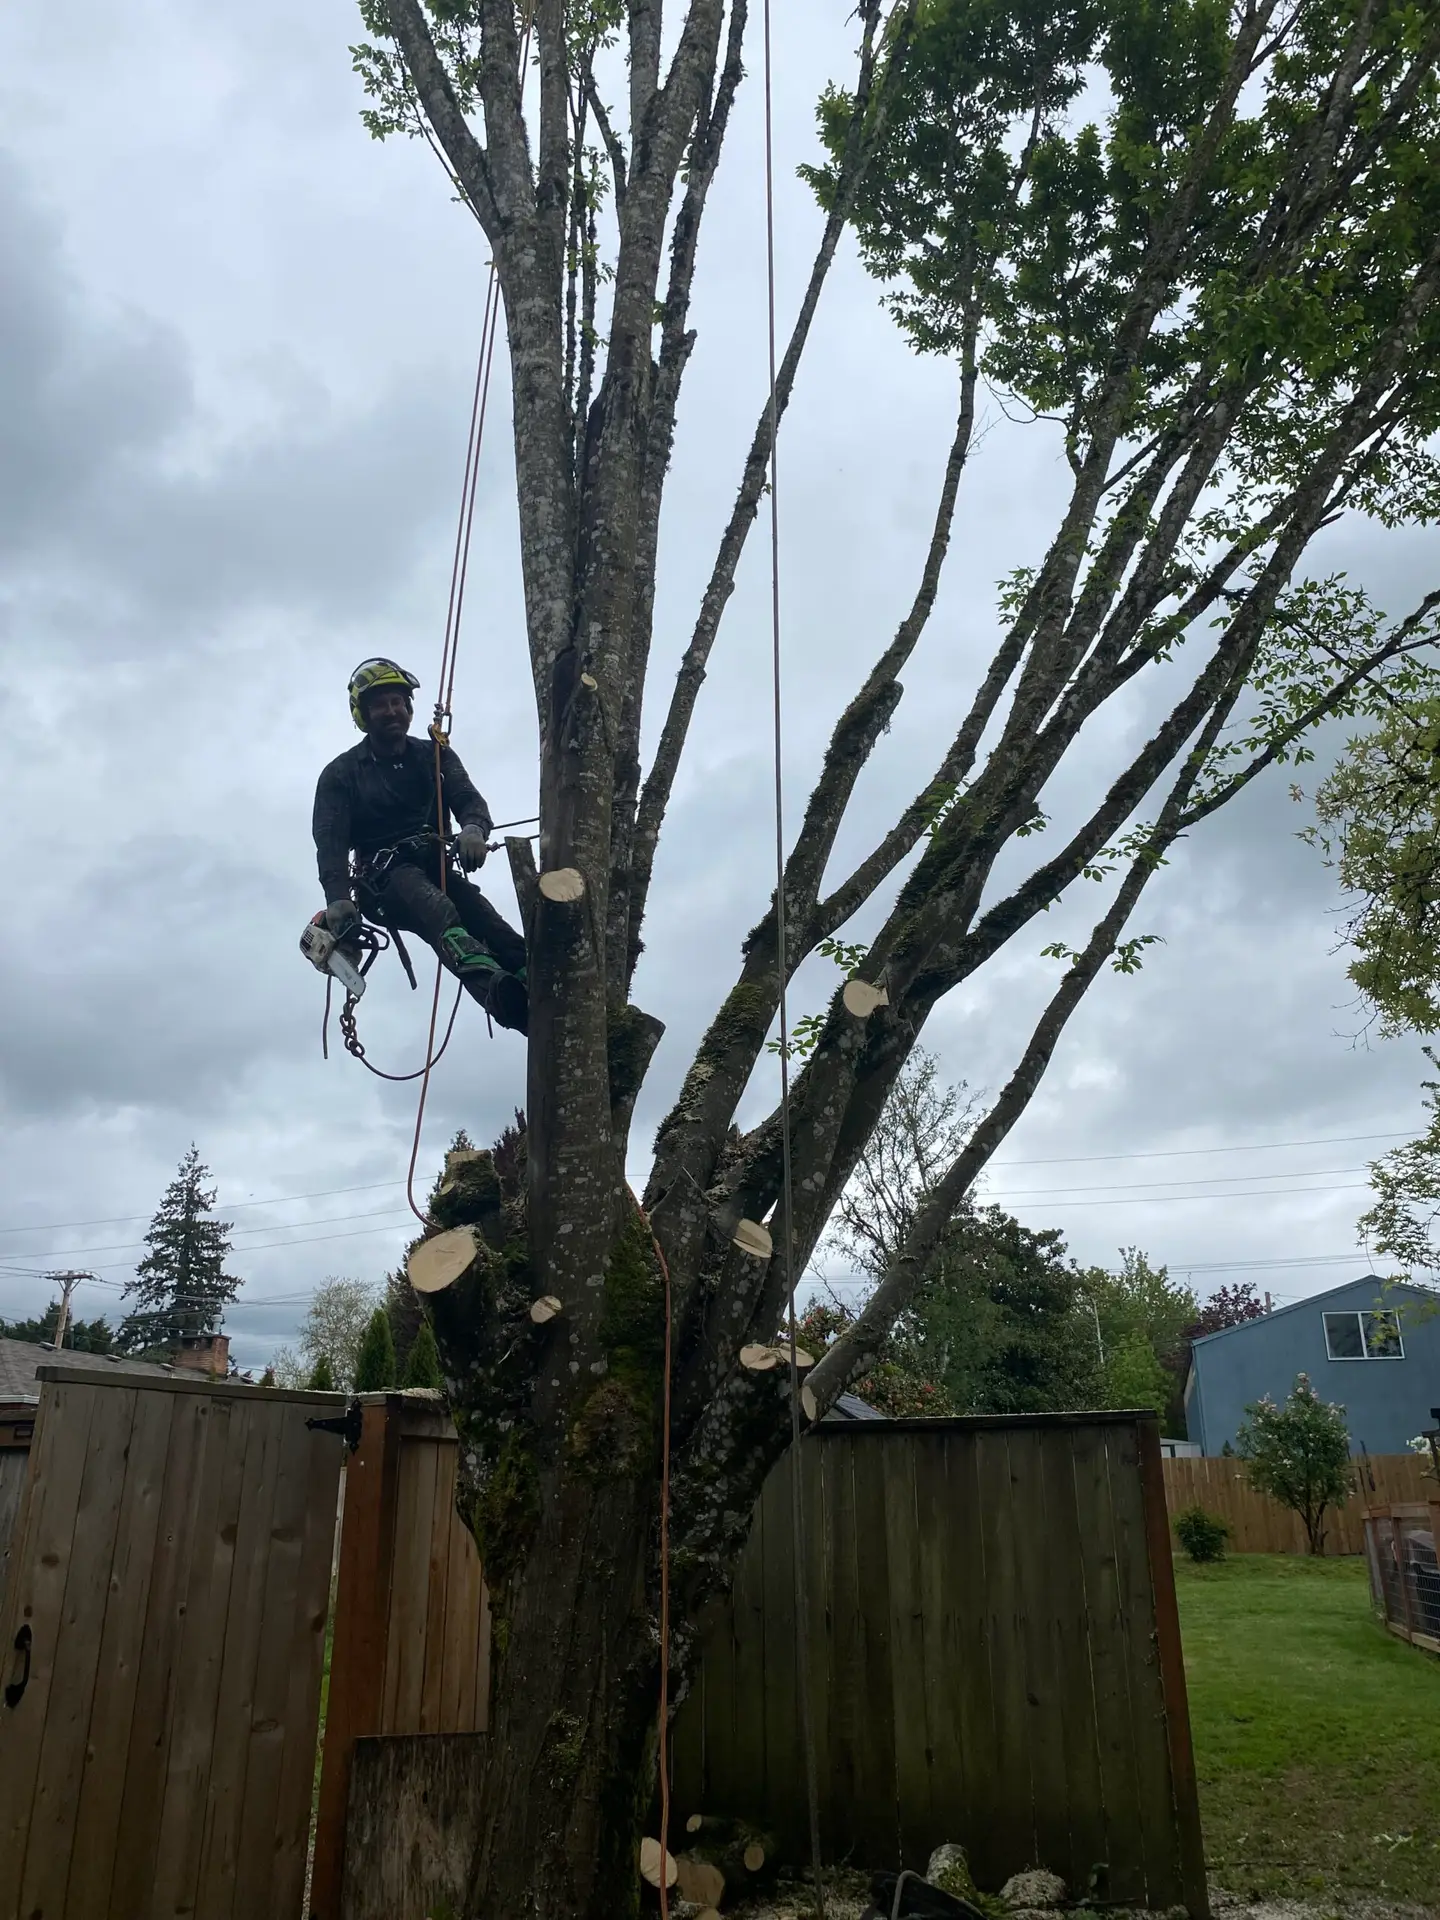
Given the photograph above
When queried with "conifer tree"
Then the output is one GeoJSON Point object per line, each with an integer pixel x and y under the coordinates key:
{"type": "Point", "coordinates": [322, 1379]}
{"type": "Point", "coordinates": [422, 1367]}
{"type": "Point", "coordinates": [375, 1364]}
{"type": "Point", "coordinates": [181, 1286]}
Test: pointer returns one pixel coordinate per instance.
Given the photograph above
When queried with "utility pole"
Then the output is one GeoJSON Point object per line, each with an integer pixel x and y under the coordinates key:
{"type": "Point", "coordinates": [67, 1283]}
{"type": "Point", "coordinates": [1099, 1342]}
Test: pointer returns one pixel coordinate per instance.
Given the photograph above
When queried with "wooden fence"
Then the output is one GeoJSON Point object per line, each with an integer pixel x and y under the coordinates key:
{"type": "Point", "coordinates": [995, 1659]}
{"type": "Point", "coordinates": [1259, 1525]}
{"type": "Point", "coordinates": [163, 1632]}
{"type": "Point", "coordinates": [17, 1426]}
{"type": "Point", "coordinates": [411, 1650]}
{"type": "Point", "coordinates": [1402, 1548]}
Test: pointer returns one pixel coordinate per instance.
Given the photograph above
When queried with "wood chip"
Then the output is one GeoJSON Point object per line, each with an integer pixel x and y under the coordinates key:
{"type": "Point", "coordinates": [651, 1855]}
{"type": "Point", "coordinates": [862, 997]}
{"type": "Point", "coordinates": [809, 1406]}
{"type": "Point", "coordinates": [699, 1880]}
{"type": "Point", "coordinates": [438, 1262]}
{"type": "Point", "coordinates": [546, 1308]}
{"type": "Point", "coordinates": [754, 1857]}
{"type": "Point", "coordinates": [694, 1823]}
{"type": "Point", "coordinates": [759, 1359]}
{"type": "Point", "coordinates": [754, 1239]}
{"type": "Point", "coordinates": [563, 884]}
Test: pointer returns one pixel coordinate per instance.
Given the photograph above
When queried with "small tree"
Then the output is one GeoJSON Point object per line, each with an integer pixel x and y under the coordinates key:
{"type": "Point", "coordinates": [181, 1284]}
{"type": "Point", "coordinates": [375, 1363]}
{"type": "Point", "coordinates": [1134, 1376]}
{"type": "Point", "coordinates": [321, 1377]}
{"type": "Point", "coordinates": [332, 1329]}
{"type": "Point", "coordinates": [1299, 1454]}
{"type": "Point", "coordinates": [422, 1364]}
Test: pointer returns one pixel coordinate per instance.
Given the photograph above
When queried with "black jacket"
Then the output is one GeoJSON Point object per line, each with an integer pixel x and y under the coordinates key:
{"type": "Point", "coordinates": [366, 804]}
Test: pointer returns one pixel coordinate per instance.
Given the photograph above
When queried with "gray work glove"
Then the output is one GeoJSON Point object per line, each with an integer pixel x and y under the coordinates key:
{"type": "Point", "coordinates": [341, 917]}
{"type": "Point", "coordinates": [471, 848]}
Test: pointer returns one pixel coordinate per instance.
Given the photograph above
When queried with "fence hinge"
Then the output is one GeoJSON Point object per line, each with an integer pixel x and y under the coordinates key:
{"type": "Point", "coordinates": [346, 1424]}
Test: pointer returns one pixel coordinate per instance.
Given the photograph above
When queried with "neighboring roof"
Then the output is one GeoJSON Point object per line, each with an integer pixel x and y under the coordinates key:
{"type": "Point", "coordinates": [850, 1406]}
{"type": "Point", "coordinates": [20, 1358]}
{"type": "Point", "coordinates": [1389, 1287]}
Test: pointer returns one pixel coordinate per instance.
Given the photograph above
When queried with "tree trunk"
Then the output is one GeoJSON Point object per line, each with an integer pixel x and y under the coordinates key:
{"type": "Point", "coordinates": [575, 1683]}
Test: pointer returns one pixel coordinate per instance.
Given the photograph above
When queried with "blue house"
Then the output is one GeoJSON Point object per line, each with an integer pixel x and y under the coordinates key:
{"type": "Point", "coordinates": [1371, 1345]}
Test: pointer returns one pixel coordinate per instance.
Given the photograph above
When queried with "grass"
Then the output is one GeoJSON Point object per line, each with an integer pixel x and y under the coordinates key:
{"type": "Point", "coordinates": [1317, 1733]}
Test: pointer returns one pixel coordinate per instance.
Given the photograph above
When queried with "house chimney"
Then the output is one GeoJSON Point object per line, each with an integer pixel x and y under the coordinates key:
{"type": "Point", "coordinates": [204, 1353]}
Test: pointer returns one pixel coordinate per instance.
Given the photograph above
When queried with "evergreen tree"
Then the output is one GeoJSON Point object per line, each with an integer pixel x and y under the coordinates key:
{"type": "Point", "coordinates": [422, 1366]}
{"type": "Point", "coordinates": [322, 1379]}
{"type": "Point", "coordinates": [375, 1366]}
{"type": "Point", "coordinates": [402, 1310]}
{"type": "Point", "coordinates": [83, 1336]}
{"type": "Point", "coordinates": [181, 1285]}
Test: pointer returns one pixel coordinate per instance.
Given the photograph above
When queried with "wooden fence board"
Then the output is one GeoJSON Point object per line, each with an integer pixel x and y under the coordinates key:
{"type": "Point", "coordinates": [911, 1659]}
{"type": "Point", "coordinates": [37, 1590]}
{"type": "Point", "coordinates": [1038, 1599]}
{"type": "Point", "coordinates": [76, 1640]}
{"type": "Point", "coordinates": [97, 1820]}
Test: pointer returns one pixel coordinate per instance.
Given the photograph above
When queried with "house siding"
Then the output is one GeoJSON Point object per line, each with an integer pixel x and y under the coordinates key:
{"type": "Point", "coordinates": [1386, 1402]}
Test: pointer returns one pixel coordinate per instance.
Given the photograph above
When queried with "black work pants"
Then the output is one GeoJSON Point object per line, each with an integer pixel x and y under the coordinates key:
{"type": "Point", "coordinates": [407, 897]}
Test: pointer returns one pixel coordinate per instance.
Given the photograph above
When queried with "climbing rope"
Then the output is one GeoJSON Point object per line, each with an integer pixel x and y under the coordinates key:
{"type": "Point", "coordinates": [797, 1501]}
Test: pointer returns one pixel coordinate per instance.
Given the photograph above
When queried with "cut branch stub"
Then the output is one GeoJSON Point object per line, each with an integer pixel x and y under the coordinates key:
{"type": "Point", "coordinates": [546, 1308]}
{"type": "Point", "coordinates": [695, 1823]}
{"type": "Point", "coordinates": [563, 885]}
{"type": "Point", "coordinates": [862, 997]}
{"type": "Point", "coordinates": [651, 1856]}
{"type": "Point", "coordinates": [759, 1359]}
{"type": "Point", "coordinates": [754, 1857]}
{"type": "Point", "coordinates": [456, 1161]}
{"type": "Point", "coordinates": [809, 1406]}
{"type": "Point", "coordinates": [438, 1263]}
{"type": "Point", "coordinates": [753, 1239]}
{"type": "Point", "coordinates": [700, 1881]}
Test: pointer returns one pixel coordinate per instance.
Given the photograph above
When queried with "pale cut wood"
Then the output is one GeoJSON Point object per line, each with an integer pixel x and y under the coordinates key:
{"type": "Point", "coordinates": [754, 1857]}
{"type": "Point", "coordinates": [753, 1239]}
{"type": "Point", "coordinates": [563, 884]}
{"type": "Point", "coordinates": [809, 1406]}
{"type": "Point", "coordinates": [699, 1880]}
{"type": "Point", "coordinates": [759, 1359]}
{"type": "Point", "coordinates": [695, 1823]}
{"type": "Point", "coordinates": [589, 680]}
{"type": "Point", "coordinates": [651, 1856]}
{"type": "Point", "coordinates": [862, 997]}
{"type": "Point", "coordinates": [456, 1161]}
{"type": "Point", "coordinates": [546, 1308]}
{"type": "Point", "coordinates": [438, 1263]}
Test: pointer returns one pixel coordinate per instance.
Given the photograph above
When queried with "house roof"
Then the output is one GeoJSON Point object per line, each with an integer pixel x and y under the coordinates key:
{"type": "Point", "coordinates": [20, 1358]}
{"type": "Point", "coordinates": [1380, 1282]}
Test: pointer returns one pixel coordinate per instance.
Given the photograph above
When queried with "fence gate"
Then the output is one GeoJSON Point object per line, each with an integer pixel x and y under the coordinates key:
{"type": "Point", "coordinates": [163, 1637]}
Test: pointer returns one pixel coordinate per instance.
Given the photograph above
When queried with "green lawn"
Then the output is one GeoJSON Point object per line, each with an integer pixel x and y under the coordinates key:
{"type": "Point", "coordinates": [1317, 1734]}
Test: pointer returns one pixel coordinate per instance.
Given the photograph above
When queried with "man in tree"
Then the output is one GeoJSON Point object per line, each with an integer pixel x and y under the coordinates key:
{"type": "Point", "coordinates": [1196, 250]}
{"type": "Point", "coordinates": [181, 1284]}
{"type": "Point", "coordinates": [378, 800]}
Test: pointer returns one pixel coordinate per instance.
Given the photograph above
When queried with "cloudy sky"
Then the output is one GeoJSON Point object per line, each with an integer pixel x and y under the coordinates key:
{"type": "Point", "coordinates": [236, 338]}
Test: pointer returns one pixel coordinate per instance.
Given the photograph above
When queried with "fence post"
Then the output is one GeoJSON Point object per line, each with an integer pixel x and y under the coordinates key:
{"type": "Point", "coordinates": [1401, 1579]}
{"type": "Point", "coordinates": [357, 1654]}
{"type": "Point", "coordinates": [1172, 1671]}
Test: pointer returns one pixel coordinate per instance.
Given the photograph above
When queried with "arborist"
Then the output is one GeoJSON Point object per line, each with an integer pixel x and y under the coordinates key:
{"type": "Point", "coordinates": [379, 802]}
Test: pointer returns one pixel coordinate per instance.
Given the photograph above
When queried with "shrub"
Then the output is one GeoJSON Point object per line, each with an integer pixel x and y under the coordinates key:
{"type": "Point", "coordinates": [1299, 1454]}
{"type": "Point", "coordinates": [1201, 1534]}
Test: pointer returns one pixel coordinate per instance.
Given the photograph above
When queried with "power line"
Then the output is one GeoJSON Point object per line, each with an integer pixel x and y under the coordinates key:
{"type": "Point", "coordinates": [1136, 1186]}
{"type": "Point", "coordinates": [1194, 1199]}
{"type": "Point", "coordinates": [1064, 1160]}
{"type": "Point", "coordinates": [1178, 1153]}
{"type": "Point", "coordinates": [273, 1226]}
{"type": "Point", "coordinates": [222, 1206]}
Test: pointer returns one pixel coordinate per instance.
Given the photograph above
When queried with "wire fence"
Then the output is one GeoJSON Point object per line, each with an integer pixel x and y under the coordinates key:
{"type": "Point", "coordinates": [1402, 1549]}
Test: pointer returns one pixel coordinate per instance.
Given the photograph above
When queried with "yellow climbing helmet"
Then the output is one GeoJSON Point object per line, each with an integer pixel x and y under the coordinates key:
{"type": "Point", "coordinates": [371, 674]}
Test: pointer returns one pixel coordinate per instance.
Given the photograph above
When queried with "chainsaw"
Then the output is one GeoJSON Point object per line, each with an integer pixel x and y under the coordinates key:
{"type": "Point", "coordinates": [325, 954]}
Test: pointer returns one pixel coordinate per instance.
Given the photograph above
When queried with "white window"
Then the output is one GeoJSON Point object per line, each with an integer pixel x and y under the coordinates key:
{"type": "Point", "coordinates": [1364, 1336]}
